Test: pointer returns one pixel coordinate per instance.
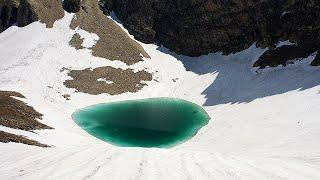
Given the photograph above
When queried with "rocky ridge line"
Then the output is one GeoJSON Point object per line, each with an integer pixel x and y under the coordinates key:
{"type": "Point", "coordinates": [198, 27]}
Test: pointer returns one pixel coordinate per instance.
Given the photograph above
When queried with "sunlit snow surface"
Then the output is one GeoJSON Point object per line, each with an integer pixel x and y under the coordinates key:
{"type": "Point", "coordinates": [266, 123]}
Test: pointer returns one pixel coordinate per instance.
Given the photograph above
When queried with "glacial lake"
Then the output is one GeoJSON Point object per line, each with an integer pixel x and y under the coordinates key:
{"type": "Point", "coordinates": [157, 122]}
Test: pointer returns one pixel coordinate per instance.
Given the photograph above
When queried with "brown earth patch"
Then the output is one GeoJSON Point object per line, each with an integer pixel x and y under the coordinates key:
{"type": "Point", "coordinates": [107, 80]}
{"type": "Point", "coordinates": [8, 137]}
{"type": "Point", "coordinates": [113, 43]}
{"type": "Point", "coordinates": [17, 114]}
{"type": "Point", "coordinates": [76, 41]}
{"type": "Point", "coordinates": [47, 11]}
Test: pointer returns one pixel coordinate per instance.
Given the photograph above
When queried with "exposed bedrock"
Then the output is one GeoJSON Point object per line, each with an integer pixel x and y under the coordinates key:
{"type": "Point", "coordinates": [24, 12]}
{"type": "Point", "coordinates": [8, 13]}
{"type": "Point", "coordinates": [197, 27]}
{"type": "Point", "coordinates": [284, 55]}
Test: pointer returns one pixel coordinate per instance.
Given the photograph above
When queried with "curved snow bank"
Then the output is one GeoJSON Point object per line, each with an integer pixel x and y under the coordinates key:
{"type": "Point", "coordinates": [265, 124]}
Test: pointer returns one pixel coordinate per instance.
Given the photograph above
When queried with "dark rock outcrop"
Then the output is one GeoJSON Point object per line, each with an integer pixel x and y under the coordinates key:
{"type": "Point", "coordinates": [316, 61]}
{"type": "Point", "coordinates": [24, 12]}
{"type": "Point", "coordinates": [283, 55]}
{"type": "Point", "coordinates": [72, 6]}
{"type": "Point", "coordinates": [8, 13]}
{"type": "Point", "coordinates": [197, 27]}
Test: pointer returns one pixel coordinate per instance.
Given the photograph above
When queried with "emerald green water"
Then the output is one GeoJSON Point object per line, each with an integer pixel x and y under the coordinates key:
{"type": "Point", "coordinates": [159, 122]}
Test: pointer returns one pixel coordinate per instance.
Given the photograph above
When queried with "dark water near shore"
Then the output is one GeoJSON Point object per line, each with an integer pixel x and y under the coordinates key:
{"type": "Point", "coordinates": [158, 122]}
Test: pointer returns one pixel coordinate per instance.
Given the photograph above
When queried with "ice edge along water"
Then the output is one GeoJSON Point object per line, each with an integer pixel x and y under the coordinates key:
{"type": "Point", "coordinates": [259, 129]}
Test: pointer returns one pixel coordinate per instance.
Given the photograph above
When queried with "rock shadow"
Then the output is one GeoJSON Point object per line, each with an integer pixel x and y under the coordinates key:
{"type": "Point", "coordinates": [236, 81]}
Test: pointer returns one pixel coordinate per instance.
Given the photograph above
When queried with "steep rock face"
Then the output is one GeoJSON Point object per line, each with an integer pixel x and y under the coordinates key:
{"type": "Point", "coordinates": [8, 13]}
{"type": "Point", "coordinates": [24, 12]}
{"type": "Point", "coordinates": [196, 27]}
{"type": "Point", "coordinates": [72, 6]}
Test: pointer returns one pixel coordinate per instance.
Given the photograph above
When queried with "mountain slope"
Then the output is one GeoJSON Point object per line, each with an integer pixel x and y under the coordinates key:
{"type": "Point", "coordinates": [264, 123]}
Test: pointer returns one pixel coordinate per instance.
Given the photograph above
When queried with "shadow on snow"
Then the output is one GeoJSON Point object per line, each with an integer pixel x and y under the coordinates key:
{"type": "Point", "coordinates": [236, 81]}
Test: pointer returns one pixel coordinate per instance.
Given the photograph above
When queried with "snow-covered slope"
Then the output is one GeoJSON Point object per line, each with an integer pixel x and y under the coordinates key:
{"type": "Point", "coordinates": [265, 124]}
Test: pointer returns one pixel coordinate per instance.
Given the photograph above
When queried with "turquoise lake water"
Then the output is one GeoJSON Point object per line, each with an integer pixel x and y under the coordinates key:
{"type": "Point", "coordinates": [158, 122]}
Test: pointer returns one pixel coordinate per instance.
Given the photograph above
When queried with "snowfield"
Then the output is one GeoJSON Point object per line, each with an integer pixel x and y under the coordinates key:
{"type": "Point", "coordinates": [265, 124]}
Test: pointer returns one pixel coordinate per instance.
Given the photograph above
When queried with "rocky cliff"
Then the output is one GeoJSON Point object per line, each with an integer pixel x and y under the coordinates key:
{"type": "Point", "coordinates": [8, 13]}
{"type": "Point", "coordinates": [24, 12]}
{"type": "Point", "coordinates": [197, 27]}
